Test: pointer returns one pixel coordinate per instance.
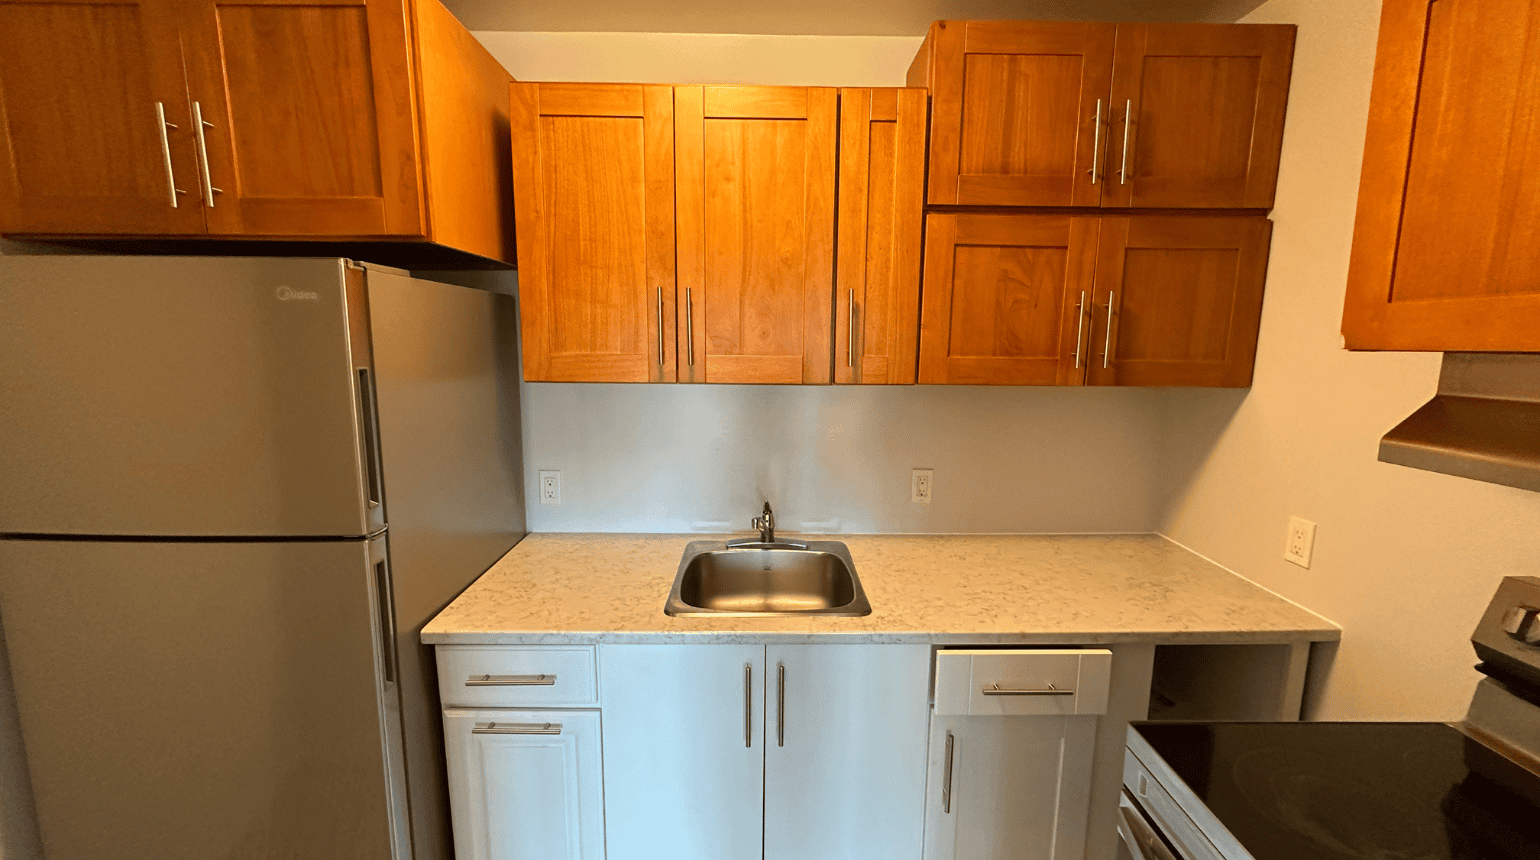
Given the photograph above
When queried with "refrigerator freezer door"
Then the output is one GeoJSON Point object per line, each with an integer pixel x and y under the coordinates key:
{"type": "Point", "coordinates": [181, 396]}
{"type": "Point", "coordinates": [201, 700]}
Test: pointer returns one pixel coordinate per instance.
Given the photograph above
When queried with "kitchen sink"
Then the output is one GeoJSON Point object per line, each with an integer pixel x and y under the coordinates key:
{"type": "Point", "coordinates": [786, 578]}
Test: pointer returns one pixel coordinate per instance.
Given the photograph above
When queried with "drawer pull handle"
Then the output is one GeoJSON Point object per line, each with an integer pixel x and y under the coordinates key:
{"type": "Point", "coordinates": [946, 778]}
{"type": "Point", "coordinates": [516, 729]}
{"type": "Point", "coordinates": [510, 680]}
{"type": "Point", "coordinates": [995, 690]}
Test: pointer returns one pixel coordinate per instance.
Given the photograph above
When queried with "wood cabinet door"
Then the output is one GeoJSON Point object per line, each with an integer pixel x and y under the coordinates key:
{"type": "Point", "coordinates": [1198, 115]}
{"type": "Point", "coordinates": [755, 173]}
{"type": "Point", "coordinates": [525, 785]}
{"type": "Point", "coordinates": [684, 758]}
{"type": "Point", "coordinates": [845, 738]}
{"type": "Point", "coordinates": [309, 128]}
{"type": "Point", "coordinates": [1006, 299]}
{"type": "Point", "coordinates": [881, 200]}
{"type": "Point", "coordinates": [1178, 300]}
{"type": "Point", "coordinates": [95, 130]}
{"type": "Point", "coordinates": [1019, 112]}
{"type": "Point", "coordinates": [1446, 249]}
{"type": "Point", "coordinates": [593, 180]}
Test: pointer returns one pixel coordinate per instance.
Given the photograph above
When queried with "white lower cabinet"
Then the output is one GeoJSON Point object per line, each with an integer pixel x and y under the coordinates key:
{"type": "Point", "coordinates": [525, 784]}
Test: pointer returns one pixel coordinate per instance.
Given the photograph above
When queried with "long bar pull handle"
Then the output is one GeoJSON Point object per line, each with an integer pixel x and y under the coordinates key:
{"type": "Point", "coordinates": [1079, 327]}
{"type": "Point", "coordinates": [748, 705]}
{"type": "Point", "coordinates": [369, 427]}
{"type": "Point", "coordinates": [1096, 143]}
{"type": "Point", "coordinates": [995, 690]}
{"type": "Point", "coordinates": [1107, 347]}
{"type": "Point", "coordinates": [946, 777]}
{"type": "Point", "coordinates": [1128, 116]}
{"type": "Point", "coordinates": [850, 343]}
{"type": "Point", "coordinates": [387, 600]}
{"type": "Point", "coordinates": [689, 325]}
{"type": "Point", "coordinates": [660, 326]}
{"type": "Point", "coordinates": [780, 705]}
{"type": "Point", "coordinates": [203, 152]}
{"type": "Point", "coordinates": [516, 729]}
{"type": "Point", "coordinates": [165, 150]}
{"type": "Point", "coordinates": [510, 681]}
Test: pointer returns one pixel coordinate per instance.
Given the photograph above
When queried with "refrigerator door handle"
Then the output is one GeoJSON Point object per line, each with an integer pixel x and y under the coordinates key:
{"type": "Point", "coordinates": [369, 427]}
{"type": "Point", "coordinates": [384, 594]}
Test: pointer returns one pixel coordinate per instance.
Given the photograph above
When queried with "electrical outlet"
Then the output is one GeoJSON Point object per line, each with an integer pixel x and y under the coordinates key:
{"type": "Point", "coordinates": [550, 487]}
{"type": "Point", "coordinates": [1301, 541]}
{"type": "Point", "coordinates": [921, 484]}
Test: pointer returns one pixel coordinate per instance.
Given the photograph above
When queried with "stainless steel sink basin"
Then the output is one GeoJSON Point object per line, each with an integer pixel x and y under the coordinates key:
{"type": "Point", "coordinates": [816, 578]}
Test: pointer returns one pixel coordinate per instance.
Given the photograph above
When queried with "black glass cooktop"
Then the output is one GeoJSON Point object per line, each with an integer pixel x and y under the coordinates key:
{"type": "Point", "coordinates": [1356, 791]}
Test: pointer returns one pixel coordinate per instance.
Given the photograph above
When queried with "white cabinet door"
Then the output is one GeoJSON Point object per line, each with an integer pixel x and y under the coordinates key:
{"type": "Point", "coordinates": [1016, 788]}
{"type": "Point", "coordinates": [525, 785]}
{"type": "Point", "coordinates": [683, 751]}
{"type": "Point", "coordinates": [845, 732]}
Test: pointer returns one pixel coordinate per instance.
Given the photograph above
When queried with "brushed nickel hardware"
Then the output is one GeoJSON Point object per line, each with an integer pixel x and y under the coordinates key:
{"type": "Point", "coordinates": [510, 680]}
{"type": "Point", "coordinates": [1096, 143]}
{"type": "Point", "coordinates": [516, 729]}
{"type": "Point", "coordinates": [689, 325]}
{"type": "Point", "coordinates": [165, 151]}
{"type": "Point", "coordinates": [660, 326]}
{"type": "Point", "coordinates": [1128, 115]}
{"type": "Point", "coordinates": [850, 342]}
{"type": "Point", "coordinates": [1107, 348]}
{"type": "Point", "coordinates": [946, 778]}
{"type": "Point", "coordinates": [203, 155]}
{"type": "Point", "coordinates": [1079, 327]}
{"type": "Point", "coordinates": [748, 705]}
{"type": "Point", "coordinates": [780, 704]}
{"type": "Point", "coordinates": [995, 690]}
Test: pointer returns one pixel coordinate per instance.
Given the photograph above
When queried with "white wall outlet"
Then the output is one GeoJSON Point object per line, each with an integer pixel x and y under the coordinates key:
{"type": "Point", "coordinates": [1301, 541]}
{"type": "Point", "coordinates": [921, 484]}
{"type": "Point", "coordinates": [550, 487]}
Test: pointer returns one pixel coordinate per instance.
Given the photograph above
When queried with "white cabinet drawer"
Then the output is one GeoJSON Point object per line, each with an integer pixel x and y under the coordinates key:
{"type": "Point", "coordinates": [1037, 682]}
{"type": "Point", "coordinates": [556, 676]}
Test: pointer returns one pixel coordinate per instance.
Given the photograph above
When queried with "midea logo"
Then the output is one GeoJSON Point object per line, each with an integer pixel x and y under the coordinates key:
{"type": "Point", "coordinates": [289, 294]}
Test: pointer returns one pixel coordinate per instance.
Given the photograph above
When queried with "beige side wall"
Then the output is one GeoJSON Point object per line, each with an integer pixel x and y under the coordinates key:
{"type": "Point", "coordinates": [1404, 560]}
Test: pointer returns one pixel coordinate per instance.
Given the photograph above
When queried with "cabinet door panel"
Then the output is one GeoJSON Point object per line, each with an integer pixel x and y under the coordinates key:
{"type": "Point", "coordinates": [680, 778]}
{"type": "Point", "coordinates": [310, 122]}
{"type": "Point", "coordinates": [1006, 299]}
{"type": "Point", "coordinates": [1445, 249]}
{"type": "Point", "coordinates": [593, 170]}
{"type": "Point", "coordinates": [1016, 119]}
{"type": "Point", "coordinates": [81, 143]}
{"type": "Point", "coordinates": [755, 173]}
{"type": "Point", "coordinates": [845, 737]}
{"type": "Point", "coordinates": [525, 796]}
{"type": "Point", "coordinates": [1178, 301]}
{"type": "Point", "coordinates": [1201, 109]}
{"type": "Point", "coordinates": [882, 178]}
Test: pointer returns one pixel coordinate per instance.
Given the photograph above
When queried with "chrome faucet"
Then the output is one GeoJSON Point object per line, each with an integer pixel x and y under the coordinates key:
{"type": "Point", "coordinates": [765, 522]}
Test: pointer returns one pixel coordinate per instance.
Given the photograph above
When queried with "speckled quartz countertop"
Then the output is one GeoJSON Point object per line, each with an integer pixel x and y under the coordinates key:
{"type": "Point", "coordinates": [953, 589]}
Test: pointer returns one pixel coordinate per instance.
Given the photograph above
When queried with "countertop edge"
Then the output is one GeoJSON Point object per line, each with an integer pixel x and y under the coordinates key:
{"type": "Point", "coordinates": [706, 637]}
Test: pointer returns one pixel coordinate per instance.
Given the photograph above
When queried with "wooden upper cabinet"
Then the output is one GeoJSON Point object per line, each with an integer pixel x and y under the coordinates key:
{"type": "Point", "coordinates": [881, 200]}
{"type": "Point", "coordinates": [1199, 112]}
{"type": "Point", "coordinates": [1446, 249]}
{"type": "Point", "coordinates": [1007, 299]}
{"type": "Point", "coordinates": [1178, 300]}
{"type": "Point", "coordinates": [307, 106]}
{"type": "Point", "coordinates": [755, 186]}
{"type": "Point", "coordinates": [1015, 111]}
{"type": "Point", "coordinates": [96, 129]}
{"type": "Point", "coordinates": [593, 176]}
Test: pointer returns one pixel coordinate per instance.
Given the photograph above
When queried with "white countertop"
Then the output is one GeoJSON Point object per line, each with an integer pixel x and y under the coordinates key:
{"type": "Point", "coordinates": [948, 589]}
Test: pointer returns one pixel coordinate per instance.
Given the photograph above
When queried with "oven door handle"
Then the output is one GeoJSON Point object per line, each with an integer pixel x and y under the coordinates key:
{"type": "Point", "coordinates": [1139, 835]}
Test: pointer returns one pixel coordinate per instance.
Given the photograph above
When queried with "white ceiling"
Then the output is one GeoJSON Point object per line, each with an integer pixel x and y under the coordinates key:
{"type": "Point", "coordinates": [815, 17]}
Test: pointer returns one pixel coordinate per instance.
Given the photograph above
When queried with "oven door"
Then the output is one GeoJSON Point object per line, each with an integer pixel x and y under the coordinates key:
{"type": "Point", "coordinates": [1139, 838]}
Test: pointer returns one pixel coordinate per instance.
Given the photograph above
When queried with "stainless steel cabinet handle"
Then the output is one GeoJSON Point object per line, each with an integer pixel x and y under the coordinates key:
{"type": "Point", "coordinates": [748, 705]}
{"type": "Point", "coordinates": [850, 344]}
{"type": "Point", "coordinates": [516, 729]}
{"type": "Point", "coordinates": [995, 690]}
{"type": "Point", "coordinates": [946, 777]}
{"type": "Point", "coordinates": [780, 705]}
{"type": "Point", "coordinates": [165, 150]}
{"type": "Point", "coordinates": [203, 153]}
{"type": "Point", "coordinates": [1107, 347]}
{"type": "Point", "coordinates": [689, 325]}
{"type": "Point", "coordinates": [1079, 327]}
{"type": "Point", "coordinates": [660, 326]}
{"type": "Point", "coordinates": [1096, 143]}
{"type": "Point", "coordinates": [510, 680]}
{"type": "Point", "coordinates": [1128, 115]}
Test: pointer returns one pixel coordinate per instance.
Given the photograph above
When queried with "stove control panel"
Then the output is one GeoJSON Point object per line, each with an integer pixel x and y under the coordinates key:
{"type": "Point", "coordinates": [1520, 622]}
{"type": "Point", "coordinates": [1508, 638]}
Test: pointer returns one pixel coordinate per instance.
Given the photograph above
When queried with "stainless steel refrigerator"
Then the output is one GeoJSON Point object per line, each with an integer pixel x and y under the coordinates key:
{"type": "Point", "coordinates": [232, 490]}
